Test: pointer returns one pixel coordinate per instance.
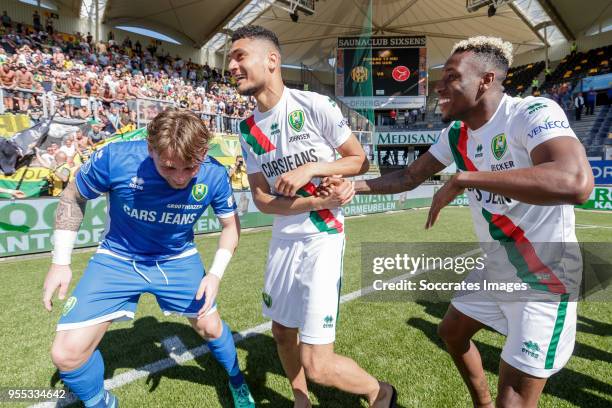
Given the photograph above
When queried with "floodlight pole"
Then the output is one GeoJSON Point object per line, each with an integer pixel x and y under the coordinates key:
{"type": "Point", "coordinates": [97, 20]}
{"type": "Point", "coordinates": [546, 50]}
{"type": "Point", "coordinates": [544, 25]}
{"type": "Point", "coordinates": [224, 56]}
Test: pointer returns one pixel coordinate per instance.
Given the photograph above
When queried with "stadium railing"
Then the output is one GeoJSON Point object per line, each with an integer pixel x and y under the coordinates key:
{"type": "Point", "coordinates": [48, 103]}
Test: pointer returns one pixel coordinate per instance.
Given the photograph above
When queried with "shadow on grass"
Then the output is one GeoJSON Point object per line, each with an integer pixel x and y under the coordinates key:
{"type": "Point", "coordinates": [140, 345]}
{"type": "Point", "coordinates": [572, 386]}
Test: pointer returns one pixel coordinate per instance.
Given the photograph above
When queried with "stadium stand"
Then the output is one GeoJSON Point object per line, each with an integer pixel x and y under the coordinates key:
{"type": "Point", "coordinates": [76, 78]}
{"type": "Point", "coordinates": [580, 64]}
{"type": "Point", "coordinates": [594, 132]}
{"type": "Point", "coordinates": [562, 86]}
{"type": "Point", "coordinates": [519, 78]}
{"type": "Point", "coordinates": [106, 91]}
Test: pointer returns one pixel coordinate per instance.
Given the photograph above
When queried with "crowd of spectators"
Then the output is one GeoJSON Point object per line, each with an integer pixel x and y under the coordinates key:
{"type": "Point", "coordinates": [560, 93]}
{"type": "Point", "coordinates": [75, 77]}
{"type": "Point", "coordinates": [573, 101]}
{"type": "Point", "coordinates": [104, 84]}
{"type": "Point", "coordinates": [63, 159]}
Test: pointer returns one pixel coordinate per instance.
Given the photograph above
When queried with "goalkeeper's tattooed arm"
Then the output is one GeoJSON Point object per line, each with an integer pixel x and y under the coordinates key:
{"type": "Point", "coordinates": [71, 209]}
{"type": "Point", "coordinates": [402, 180]}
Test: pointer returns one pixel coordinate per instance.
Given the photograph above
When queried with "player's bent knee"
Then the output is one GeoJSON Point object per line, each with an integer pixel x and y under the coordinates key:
{"type": "Point", "coordinates": [447, 332]}
{"type": "Point", "coordinates": [319, 366]}
{"type": "Point", "coordinates": [209, 327]}
{"type": "Point", "coordinates": [452, 332]}
{"type": "Point", "coordinates": [68, 355]}
{"type": "Point", "coordinates": [316, 370]}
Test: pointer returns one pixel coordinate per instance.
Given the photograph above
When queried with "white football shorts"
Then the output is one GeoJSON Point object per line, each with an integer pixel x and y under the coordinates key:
{"type": "Point", "coordinates": [302, 285]}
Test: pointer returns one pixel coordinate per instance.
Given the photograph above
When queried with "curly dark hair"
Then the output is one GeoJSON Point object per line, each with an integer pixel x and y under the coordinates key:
{"type": "Point", "coordinates": [258, 32]}
{"type": "Point", "coordinates": [491, 51]}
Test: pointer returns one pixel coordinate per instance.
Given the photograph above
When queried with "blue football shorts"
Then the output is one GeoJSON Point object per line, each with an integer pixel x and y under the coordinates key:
{"type": "Point", "coordinates": [111, 286]}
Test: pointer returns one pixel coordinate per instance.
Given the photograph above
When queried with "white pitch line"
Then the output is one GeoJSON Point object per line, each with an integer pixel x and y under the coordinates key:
{"type": "Point", "coordinates": [157, 366]}
{"type": "Point", "coordinates": [174, 346]}
{"type": "Point", "coordinates": [589, 226]}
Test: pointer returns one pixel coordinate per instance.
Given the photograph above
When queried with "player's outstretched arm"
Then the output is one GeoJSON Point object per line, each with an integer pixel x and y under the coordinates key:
{"type": "Point", "coordinates": [343, 192]}
{"type": "Point", "coordinates": [228, 241]}
{"type": "Point", "coordinates": [402, 180]}
{"type": "Point", "coordinates": [353, 162]}
{"type": "Point", "coordinates": [561, 174]}
{"type": "Point", "coordinates": [68, 218]}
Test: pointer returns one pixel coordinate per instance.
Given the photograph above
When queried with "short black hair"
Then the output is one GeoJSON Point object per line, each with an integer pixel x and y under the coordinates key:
{"type": "Point", "coordinates": [258, 32]}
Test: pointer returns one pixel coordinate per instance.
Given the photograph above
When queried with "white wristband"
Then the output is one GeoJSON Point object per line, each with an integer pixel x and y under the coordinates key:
{"type": "Point", "coordinates": [63, 243]}
{"type": "Point", "coordinates": [222, 259]}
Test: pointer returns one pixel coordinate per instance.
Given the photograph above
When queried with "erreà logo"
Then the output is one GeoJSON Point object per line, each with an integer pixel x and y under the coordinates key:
{"type": "Point", "coordinates": [535, 107]}
{"type": "Point", "coordinates": [296, 120]}
{"type": "Point", "coordinates": [136, 183]}
{"type": "Point", "coordinates": [531, 348]}
{"type": "Point", "coordinates": [328, 322]}
{"type": "Point", "coordinates": [199, 191]}
{"type": "Point", "coordinates": [267, 299]}
{"type": "Point", "coordinates": [499, 145]}
{"type": "Point", "coordinates": [478, 151]}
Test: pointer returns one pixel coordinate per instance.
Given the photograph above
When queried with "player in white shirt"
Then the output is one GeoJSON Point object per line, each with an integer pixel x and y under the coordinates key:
{"type": "Point", "coordinates": [289, 142]}
{"type": "Point", "coordinates": [523, 168]}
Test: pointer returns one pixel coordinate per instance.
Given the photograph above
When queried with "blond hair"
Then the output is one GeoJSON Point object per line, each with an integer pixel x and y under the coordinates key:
{"type": "Point", "coordinates": [179, 132]}
{"type": "Point", "coordinates": [489, 49]}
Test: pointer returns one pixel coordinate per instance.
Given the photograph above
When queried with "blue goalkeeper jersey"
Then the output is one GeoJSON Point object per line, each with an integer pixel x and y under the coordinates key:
{"type": "Point", "coordinates": [147, 219]}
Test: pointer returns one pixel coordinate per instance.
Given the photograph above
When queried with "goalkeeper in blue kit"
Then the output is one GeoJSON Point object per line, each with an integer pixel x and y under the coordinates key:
{"type": "Point", "coordinates": [156, 191]}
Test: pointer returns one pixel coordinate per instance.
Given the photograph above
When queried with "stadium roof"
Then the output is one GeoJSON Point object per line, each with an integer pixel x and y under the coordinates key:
{"type": "Point", "coordinates": [312, 39]}
{"type": "Point", "coordinates": [191, 22]}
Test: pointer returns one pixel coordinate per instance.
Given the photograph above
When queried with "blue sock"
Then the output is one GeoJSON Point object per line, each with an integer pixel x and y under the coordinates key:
{"type": "Point", "coordinates": [87, 381]}
{"type": "Point", "coordinates": [224, 351]}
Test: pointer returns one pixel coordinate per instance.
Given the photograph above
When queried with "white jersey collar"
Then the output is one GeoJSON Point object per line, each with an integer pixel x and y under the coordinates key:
{"type": "Point", "coordinates": [263, 115]}
{"type": "Point", "coordinates": [484, 129]}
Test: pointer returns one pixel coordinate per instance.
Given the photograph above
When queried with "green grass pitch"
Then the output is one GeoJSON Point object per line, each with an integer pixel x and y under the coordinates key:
{"type": "Point", "coordinates": [396, 342]}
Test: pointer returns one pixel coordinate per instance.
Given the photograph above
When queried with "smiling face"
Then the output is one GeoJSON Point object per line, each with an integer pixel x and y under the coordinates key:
{"type": "Point", "coordinates": [252, 64]}
{"type": "Point", "coordinates": [178, 144]}
{"type": "Point", "coordinates": [459, 86]}
{"type": "Point", "coordinates": [178, 173]}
